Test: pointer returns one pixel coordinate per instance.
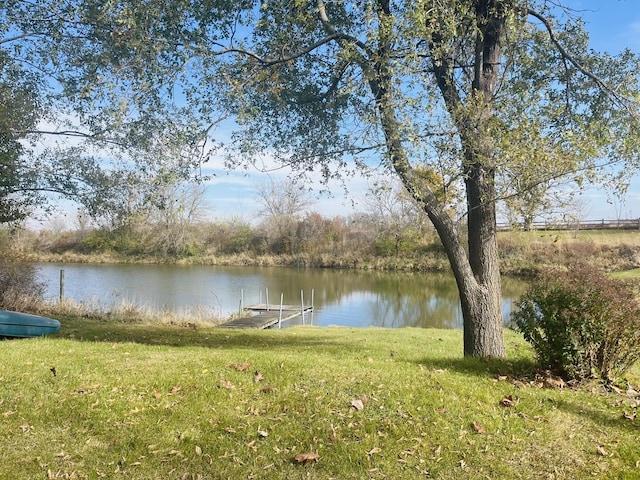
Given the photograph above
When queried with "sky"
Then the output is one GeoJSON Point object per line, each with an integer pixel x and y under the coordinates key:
{"type": "Point", "coordinates": [613, 25]}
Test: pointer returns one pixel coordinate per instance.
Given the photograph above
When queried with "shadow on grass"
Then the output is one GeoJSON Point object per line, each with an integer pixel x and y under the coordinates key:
{"type": "Point", "coordinates": [518, 367]}
{"type": "Point", "coordinates": [90, 330]}
{"type": "Point", "coordinates": [611, 418]}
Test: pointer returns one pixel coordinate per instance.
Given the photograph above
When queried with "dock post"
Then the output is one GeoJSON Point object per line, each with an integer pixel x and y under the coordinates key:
{"type": "Point", "coordinates": [280, 316]}
{"type": "Point", "coordinates": [302, 305]}
{"type": "Point", "coordinates": [61, 285]}
{"type": "Point", "coordinates": [267, 293]}
{"type": "Point", "coordinates": [241, 301]}
{"type": "Point", "coordinates": [312, 307]}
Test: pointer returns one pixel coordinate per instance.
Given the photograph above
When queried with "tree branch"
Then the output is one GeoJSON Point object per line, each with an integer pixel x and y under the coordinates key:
{"type": "Point", "coordinates": [326, 23]}
{"type": "Point", "coordinates": [625, 102]}
{"type": "Point", "coordinates": [269, 62]}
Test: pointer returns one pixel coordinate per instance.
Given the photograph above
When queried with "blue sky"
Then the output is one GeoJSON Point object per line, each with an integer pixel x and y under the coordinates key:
{"type": "Point", "coordinates": [613, 25]}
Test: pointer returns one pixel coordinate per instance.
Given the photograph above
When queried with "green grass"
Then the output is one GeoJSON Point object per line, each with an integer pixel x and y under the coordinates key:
{"type": "Point", "coordinates": [633, 274]}
{"type": "Point", "coordinates": [165, 402]}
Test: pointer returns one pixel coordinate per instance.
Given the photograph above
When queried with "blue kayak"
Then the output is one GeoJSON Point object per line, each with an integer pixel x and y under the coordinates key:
{"type": "Point", "coordinates": [25, 325]}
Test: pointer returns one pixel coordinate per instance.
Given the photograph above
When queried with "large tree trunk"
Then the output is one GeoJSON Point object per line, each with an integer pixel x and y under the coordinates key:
{"type": "Point", "coordinates": [481, 304]}
{"type": "Point", "coordinates": [476, 271]}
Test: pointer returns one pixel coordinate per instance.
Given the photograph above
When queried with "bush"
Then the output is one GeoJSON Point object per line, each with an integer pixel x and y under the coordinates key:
{"type": "Point", "coordinates": [18, 281]}
{"type": "Point", "coordinates": [581, 323]}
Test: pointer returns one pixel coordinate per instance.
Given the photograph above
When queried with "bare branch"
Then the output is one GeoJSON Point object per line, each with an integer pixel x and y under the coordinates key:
{"type": "Point", "coordinates": [269, 62]}
{"type": "Point", "coordinates": [15, 38]}
{"type": "Point", "coordinates": [322, 13]}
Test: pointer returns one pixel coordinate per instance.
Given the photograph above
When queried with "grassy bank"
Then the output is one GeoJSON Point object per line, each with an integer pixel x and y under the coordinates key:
{"type": "Point", "coordinates": [116, 400]}
{"type": "Point", "coordinates": [609, 250]}
{"type": "Point", "coordinates": [521, 253]}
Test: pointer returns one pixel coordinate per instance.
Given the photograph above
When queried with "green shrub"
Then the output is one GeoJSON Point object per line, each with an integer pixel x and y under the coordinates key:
{"type": "Point", "coordinates": [581, 323]}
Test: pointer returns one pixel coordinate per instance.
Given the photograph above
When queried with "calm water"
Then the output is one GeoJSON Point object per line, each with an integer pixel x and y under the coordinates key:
{"type": "Point", "coordinates": [347, 298]}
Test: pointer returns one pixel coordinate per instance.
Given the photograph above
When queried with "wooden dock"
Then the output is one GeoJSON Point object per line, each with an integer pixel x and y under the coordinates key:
{"type": "Point", "coordinates": [264, 316]}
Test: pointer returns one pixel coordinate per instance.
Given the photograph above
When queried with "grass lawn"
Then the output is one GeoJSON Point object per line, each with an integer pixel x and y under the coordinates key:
{"type": "Point", "coordinates": [115, 400]}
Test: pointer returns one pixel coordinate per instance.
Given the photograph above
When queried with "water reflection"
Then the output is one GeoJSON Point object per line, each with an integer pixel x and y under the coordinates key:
{"type": "Point", "coordinates": [346, 298]}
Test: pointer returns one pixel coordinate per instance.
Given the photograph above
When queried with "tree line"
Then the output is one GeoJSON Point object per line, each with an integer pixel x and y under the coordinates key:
{"type": "Point", "coordinates": [390, 225]}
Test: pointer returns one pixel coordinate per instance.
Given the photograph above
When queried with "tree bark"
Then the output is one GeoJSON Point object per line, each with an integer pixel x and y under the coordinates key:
{"type": "Point", "coordinates": [477, 273]}
{"type": "Point", "coordinates": [477, 270]}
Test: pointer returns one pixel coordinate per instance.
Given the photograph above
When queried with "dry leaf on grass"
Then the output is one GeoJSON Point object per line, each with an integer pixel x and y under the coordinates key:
{"type": "Point", "coordinates": [374, 450]}
{"type": "Point", "coordinates": [222, 383]}
{"type": "Point", "coordinates": [240, 367]}
{"type": "Point", "coordinates": [307, 458]}
{"type": "Point", "coordinates": [477, 427]}
{"type": "Point", "coordinates": [257, 376]}
{"type": "Point", "coordinates": [357, 404]}
{"type": "Point", "coordinates": [508, 401]}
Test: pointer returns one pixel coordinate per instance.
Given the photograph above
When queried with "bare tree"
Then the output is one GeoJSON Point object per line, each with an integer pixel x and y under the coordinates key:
{"type": "Point", "coordinates": [283, 203]}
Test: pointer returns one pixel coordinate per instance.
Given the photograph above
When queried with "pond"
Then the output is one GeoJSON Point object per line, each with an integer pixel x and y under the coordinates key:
{"type": "Point", "coordinates": [340, 297]}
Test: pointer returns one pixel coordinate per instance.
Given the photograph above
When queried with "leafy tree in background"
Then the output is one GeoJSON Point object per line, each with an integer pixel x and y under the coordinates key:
{"type": "Point", "coordinates": [93, 142]}
{"type": "Point", "coordinates": [459, 90]}
{"type": "Point", "coordinates": [18, 112]}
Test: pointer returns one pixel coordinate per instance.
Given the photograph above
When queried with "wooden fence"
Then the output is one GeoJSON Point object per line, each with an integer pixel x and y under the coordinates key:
{"type": "Point", "coordinates": [576, 225]}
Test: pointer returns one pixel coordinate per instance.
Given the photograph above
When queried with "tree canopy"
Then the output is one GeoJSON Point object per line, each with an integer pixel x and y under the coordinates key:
{"type": "Point", "coordinates": [469, 92]}
{"type": "Point", "coordinates": [78, 130]}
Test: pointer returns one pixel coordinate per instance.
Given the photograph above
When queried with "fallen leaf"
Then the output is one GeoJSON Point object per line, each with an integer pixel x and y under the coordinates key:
{"type": "Point", "coordinates": [508, 401]}
{"type": "Point", "coordinates": [553, 382]}
{"type": "Point", "coordinates": [240, 367]}
{"type": "Point", "coordinates": [257, 376]}
{"type": "Point", "coordinates": [374, 450]}
{"type": "Point", "coordinates": [477, 427]}
{"type": "Point", "coordinates": [357, 404]}
{"type": "Point", "coordinates": [268, 389]}
{"type": "Point", "coordinates": [602, 451]}
{"type": "Point", "coordinates": [263, 433]}
{"type": "Point", "coordinates": [157, 394]}
{"type": "Point", "coordinates": [175, 389]}
{"type": "Point", "coordinates": [222, 383]}
{"type": "Point", "coordinates": [198, 450]}
{"type": "Point", "coordinates": [307, 458]}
